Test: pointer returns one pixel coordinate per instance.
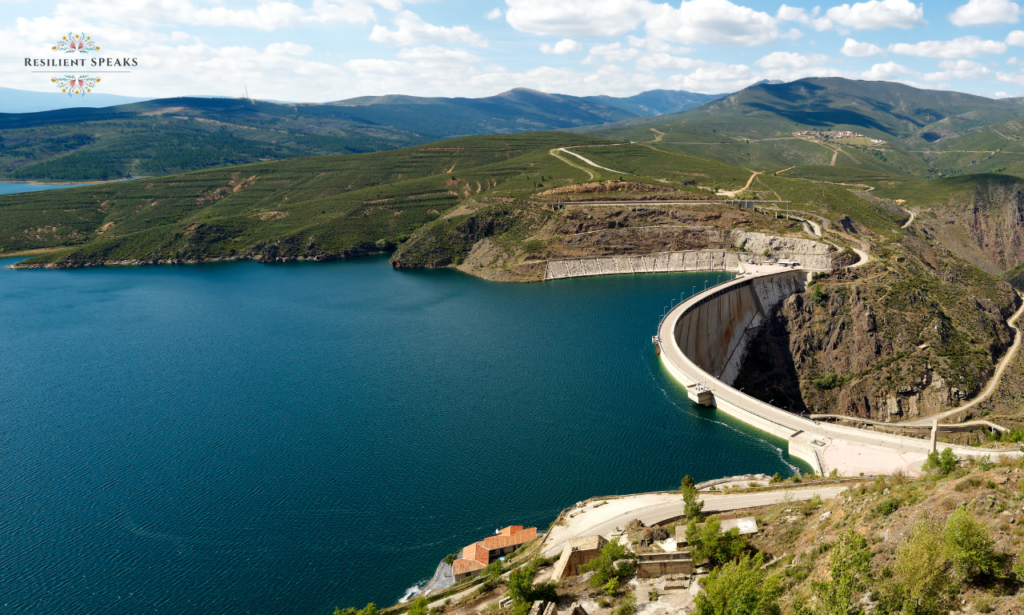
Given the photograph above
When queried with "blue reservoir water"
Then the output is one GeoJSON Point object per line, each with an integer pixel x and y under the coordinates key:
{"type": "Point", "coordinates": [241, 438]}
{"type": "Point", "coordinates": [14, 187]}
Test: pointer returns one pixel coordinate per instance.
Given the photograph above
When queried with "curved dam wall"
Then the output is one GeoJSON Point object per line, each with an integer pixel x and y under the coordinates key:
{"type": "Point", "coordinates": [716, 331]}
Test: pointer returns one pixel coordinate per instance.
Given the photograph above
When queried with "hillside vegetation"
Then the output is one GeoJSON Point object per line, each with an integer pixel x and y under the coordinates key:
{"type": "Point", "coordinates": [172, 135]}
{"type": "Point", "coordinates": [925, 133]}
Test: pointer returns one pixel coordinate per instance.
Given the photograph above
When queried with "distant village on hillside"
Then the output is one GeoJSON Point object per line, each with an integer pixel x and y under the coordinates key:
{"type": "Point", "coordinates": [835, 134]}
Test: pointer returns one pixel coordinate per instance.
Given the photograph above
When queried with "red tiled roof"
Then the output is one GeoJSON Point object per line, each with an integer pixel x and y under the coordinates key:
{"type": "Point", "coordinates": [503, 540]}
{"type": "Point", "coordinates": [476, 551]}
{"type": "Point", "coordinates": [463, 565]}
{"type": "Point", "coordinates": [512, 529]}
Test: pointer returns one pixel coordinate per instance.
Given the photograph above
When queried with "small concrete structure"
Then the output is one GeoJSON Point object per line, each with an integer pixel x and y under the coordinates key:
{"type": "Point", "coordinates": [664, 564]}
{"type": "Point", "coordinates": [681, 537]}
{"type": "Point", "coordinates": [577, 552]}
{"type": "Point", "coordinates": [746, 525]}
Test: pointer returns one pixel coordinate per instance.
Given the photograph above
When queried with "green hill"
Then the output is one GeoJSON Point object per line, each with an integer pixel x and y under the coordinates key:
{"type": "Point", "coordinates": [759, 127]}
{"type": "Point", "coordinates": [173, 135]}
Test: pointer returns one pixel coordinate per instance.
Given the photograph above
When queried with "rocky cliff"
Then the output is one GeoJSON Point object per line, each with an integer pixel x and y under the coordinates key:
{"type": "Point", "coordinates": [900, 338]}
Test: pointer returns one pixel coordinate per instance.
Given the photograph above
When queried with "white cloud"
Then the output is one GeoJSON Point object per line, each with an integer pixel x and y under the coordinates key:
{"type": "Point", "coordinates": [412, 30]}
{"type": "Point", "coordinates": [712, 21]}
{"type": "Point", "coordinates": [964, 47]}
{"type": "Point", "coordinates": [799, 15]}
{"type": "Point", "coordinates": [885, 72]}
{"type": "Point", "coordinates": [654, 61]}
{"type": "Point", "coordinates": [878, 14]}
{"type": "Point", "coordinates": [715, 78]}
{"type": "Point", "coordinates": [1016, 78]}
{"type": "Point", "coordinates": [434, 54]}
{"type": "Point", "coordinates": [786, 59]}
{"type": "Point", "coordinates": [979, 12]}
{"type": "Point", "coordinates": [288, 49]}
{"type": "Point", "coordinates": [853, 49]}
{"type": "Point", "coordinates": [562, 47]}
{"type": "Point", "coordinates": [1015, 38]}
{"type": "Point", "coordinates": [958, 69]}
{"type": "Point", "coordinates": [656, 45]}
{"type": "Point", "coordinates": [494, 13]}
{"type": "Point", "coordinates": [792, 35]}
{"type": "Point", "coordinates": [614, 52]}
{"type": "Point", "coordinates": [265, 16]}
{"type": "Point", "coordinates": [590, 18]}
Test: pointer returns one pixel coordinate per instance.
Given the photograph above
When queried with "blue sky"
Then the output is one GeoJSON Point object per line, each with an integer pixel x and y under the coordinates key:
{"type": "Point", "coordinates": [322, 50]}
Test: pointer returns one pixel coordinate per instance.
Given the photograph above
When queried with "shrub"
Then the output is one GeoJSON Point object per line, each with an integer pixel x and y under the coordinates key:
{"type": "Point", "coordinates": [418, 607]}
{"type": "Point", "coordinates": [776, 478]}
{"type": "Point", "coordinates": [811, 505]}
{"type": "Point", "coordinates": [940, 464]}
{"type": "Point", "coordinates": [850, 563]}
{"type": "Point", "coordinates": [611, 587]}
{"type": "Point", "coordinates": [920, 581]}
{"type": "Point", "coordinates": [740, 588]}
{"type": "Point", "coordinates": [604, 568]}
{"type": "Point", "coordinates": [708, 542]}
{"type": "Point", "coordinates": [985, 463]}
{"type": "Point", "coordinates": [628, 606]}
{"type": "Point", "coordinates": [830, 381]}
{"type": "Point", "coordinates": [887, 507]}
{"type": "Point", "coordinates": [969, 546]}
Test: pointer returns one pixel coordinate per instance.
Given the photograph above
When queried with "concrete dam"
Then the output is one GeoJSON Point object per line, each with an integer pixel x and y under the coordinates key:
{"type": "Point", "coordinates": [716, 331]}
{"type": "Point", "coordinates": [703, 342]}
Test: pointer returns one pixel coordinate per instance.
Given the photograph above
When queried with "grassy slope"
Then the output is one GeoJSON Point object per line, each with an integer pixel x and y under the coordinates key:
{"type": "Point", "coordinates": [329, 205]}
{"type": "Point", "coordinates": [754, 128]}
{"type": "Point", "coordinates": [181, 134]}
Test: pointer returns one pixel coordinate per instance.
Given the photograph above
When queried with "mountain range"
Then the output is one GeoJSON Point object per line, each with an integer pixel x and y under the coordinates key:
{"type": "Point", "coordinates": [162, 136]}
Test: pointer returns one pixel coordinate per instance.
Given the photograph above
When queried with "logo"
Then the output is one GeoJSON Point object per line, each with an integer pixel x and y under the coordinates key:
{"type": "Point", "coordinates": [76, 42]}
{"type": "Point", "coordinates": [73, 47]}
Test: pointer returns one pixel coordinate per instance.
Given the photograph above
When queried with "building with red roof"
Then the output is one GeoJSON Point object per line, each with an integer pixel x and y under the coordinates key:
{"type": "Point", "coordinates": [477, 556]}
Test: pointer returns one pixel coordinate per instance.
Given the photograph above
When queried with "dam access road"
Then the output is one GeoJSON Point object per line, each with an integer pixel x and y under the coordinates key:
{"type": "Point", "coordinates": [703, 341]}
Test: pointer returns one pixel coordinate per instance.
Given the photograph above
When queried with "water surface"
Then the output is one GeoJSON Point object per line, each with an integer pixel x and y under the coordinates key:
{"type": "Point", "coordinates": [16, 187]}
{"type": "Point", "coordinates": [243, 438]}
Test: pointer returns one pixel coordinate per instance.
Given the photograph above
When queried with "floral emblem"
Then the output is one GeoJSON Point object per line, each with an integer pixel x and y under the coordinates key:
{"type": "Point", "coordinates": [75, 86]}
{"type": "Point", "coordinates": [76, 42]}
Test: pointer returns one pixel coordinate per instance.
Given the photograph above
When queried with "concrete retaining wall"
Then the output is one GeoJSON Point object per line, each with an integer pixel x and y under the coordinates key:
{"type": "Point", "coordinates": [715, 332]}
{"type": "Point", "coordinates": [662, 262]}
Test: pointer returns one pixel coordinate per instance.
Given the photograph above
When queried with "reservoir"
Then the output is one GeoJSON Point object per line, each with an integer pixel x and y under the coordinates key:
{"type": "Point", "coordinates": [243, 438]}
{"type": "Point", "coordinates": [16, 187]}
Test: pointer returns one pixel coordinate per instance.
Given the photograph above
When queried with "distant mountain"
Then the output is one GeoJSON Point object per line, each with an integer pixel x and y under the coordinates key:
{"type": "Point", "coordinates": [760, 127]}
{"type": "Point", "coordinates": [657, 102]}
{"type": "Point", "coordinates": [172, 135]}
{"type": "Point", "coordinates": [878, 108]}
{"type": "Point", "coordinates": [23, 101]}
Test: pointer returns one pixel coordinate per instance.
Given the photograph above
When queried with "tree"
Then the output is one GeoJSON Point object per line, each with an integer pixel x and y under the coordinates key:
{"type": "Point", "coordinates": [520, 583]}
{"type": "Point", "coordinates": [419, 606]}
{"type": "Point", "coordinates": [969, 546]}
{"type": "Point", "coordinates": [740, 588]}
{"type": "Point", "coordinates": [708, 541]}
{"type": "Point", "coordinates": [940, 463]}
{"type": "Point", "coordinates": [692, 505]}
{"type": "Point", "coordinates": [603, 566]}
{"type": "Point", "coordinates": [849, 563]}
{"type": "Point", "coordinates": [922, 582]}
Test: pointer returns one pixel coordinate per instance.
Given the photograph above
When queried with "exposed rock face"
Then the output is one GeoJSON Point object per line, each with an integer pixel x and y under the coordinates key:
{"type": "Point", "coordinates": [882, 342]}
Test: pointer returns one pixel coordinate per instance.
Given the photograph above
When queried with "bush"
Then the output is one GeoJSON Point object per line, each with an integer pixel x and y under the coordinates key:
{"type": "Point", "coordinates": [920, 581]}
{"type": "Point", "coordinates": [628, 606]}
{"type": "Point", "coordinates": [940, 464]}
{"type": "Point", "coordinates": [850, 563]}
{"type": "Point", "coordinates": [775, 479]}
{"type": "Point", "coordinates": [418, 607]}
{"type": "Point", "coordinates": [708, 542]}
{"type": "Point", "coordinates": [969, 546]}
{"type": "Point", "coordinates": [830, 381]}
{"type": "Point", "coordinates": [740, 588]}
{"type": "Point", "coordinates": [692, 505]}
{"type": "Point", "coordinates": [887, 507]}
{"type": "Point", "coordinates": [603, 566]}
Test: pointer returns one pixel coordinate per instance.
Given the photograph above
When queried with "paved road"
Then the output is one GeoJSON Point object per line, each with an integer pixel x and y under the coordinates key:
{"type": "Point", "coordinates": [712, 504]}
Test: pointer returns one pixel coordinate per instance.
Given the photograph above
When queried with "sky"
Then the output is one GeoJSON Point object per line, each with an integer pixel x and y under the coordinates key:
{"type": "Point", "coordinates": [326, 50]}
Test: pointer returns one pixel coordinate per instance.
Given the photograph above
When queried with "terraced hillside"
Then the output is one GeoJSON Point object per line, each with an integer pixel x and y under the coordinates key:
{"type": "Point", "coordinates": [922, 132]}
{"type": "Point", "coordinates": [181, 134]}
